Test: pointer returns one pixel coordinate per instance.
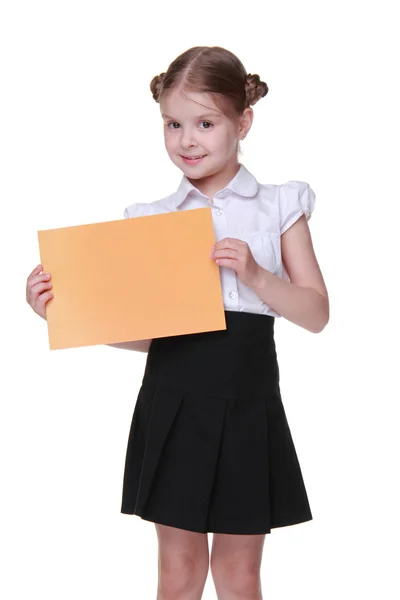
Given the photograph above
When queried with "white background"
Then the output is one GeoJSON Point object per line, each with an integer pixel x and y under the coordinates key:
{"type": "Point", "coordinates": [80, 137]}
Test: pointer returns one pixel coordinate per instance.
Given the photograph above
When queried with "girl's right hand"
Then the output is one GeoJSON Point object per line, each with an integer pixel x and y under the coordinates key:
{"type": "Point", "coordinates": [38, 290]}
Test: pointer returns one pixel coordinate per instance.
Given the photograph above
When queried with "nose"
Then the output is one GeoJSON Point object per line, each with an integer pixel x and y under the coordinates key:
{"type": "Point", "coordinates": [188, 139]}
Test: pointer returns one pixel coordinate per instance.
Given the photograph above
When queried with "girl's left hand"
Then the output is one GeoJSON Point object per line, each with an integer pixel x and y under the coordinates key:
{"type": "Point", "coordinates": [236, 255]}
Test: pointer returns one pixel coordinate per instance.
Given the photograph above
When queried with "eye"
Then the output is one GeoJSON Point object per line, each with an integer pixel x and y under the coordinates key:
{"type": "Point", "coordinates": [207, 123]}
{"type": "Point", "coordinates": [173, 123]}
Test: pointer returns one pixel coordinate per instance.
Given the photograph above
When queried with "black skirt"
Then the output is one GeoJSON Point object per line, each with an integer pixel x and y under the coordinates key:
{"type": "Point", "coordinates": [209, 448]}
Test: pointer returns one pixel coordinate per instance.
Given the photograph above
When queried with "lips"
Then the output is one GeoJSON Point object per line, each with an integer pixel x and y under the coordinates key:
{"type": "Point", "coordinates": [194, 157]}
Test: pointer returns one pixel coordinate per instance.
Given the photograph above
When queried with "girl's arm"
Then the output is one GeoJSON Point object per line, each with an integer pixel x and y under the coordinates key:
{"type": "Point", "coordinates": [140, 345]}
{"type": "Point", "coordinates": [304, 299]}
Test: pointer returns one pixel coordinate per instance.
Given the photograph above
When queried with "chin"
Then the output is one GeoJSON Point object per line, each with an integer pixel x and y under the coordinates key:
{"type": "Point", "coordinates": [199, 171]}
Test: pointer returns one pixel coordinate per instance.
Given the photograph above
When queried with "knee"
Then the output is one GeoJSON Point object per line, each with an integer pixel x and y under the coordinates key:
{"type": "Point", "coordinates": [239, 578]}
{"type": "Point", "coordinates": [179, 575]}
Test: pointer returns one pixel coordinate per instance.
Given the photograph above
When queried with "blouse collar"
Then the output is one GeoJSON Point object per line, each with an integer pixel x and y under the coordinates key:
{"type": "Point", "coordinates": [243, 184]}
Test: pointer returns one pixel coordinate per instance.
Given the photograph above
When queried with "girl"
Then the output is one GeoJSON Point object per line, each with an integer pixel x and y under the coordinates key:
{"type": "Point", "coordinates": [209, 448]}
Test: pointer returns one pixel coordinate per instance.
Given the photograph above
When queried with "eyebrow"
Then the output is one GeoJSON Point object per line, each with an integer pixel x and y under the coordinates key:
{"type": "Point", "coordinates": [215, 116]}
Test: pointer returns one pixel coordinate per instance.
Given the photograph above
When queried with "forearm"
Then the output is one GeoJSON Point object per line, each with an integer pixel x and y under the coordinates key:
{"type": "Point", "coordinates": [140, 345]}
{"type": "Point", "coordinates": [303, 306]}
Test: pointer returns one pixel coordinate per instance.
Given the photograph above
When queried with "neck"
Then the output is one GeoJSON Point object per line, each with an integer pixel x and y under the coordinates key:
{"type": "Point", "coordinates": [212, 184]}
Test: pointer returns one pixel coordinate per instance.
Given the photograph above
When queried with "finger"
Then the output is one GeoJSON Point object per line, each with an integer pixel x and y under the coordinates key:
{"type": "Point", "coordinates": [38, 279]}
{"type": "Point", "coordinates": [30, 284]}
{"type": "Point", "coordinates": [227, 262]}
{"type": "Point", "coordinates": [225, 243]}
{"type": "Point", "coordinates": [229, 243]}
{"type": "Point", "coordinates": [226, 252]}
{"type": "Point", "coordinates": [36, 290]}
{"type": "Point", "coordinates": [35, 271]}
{"type": "Point", "coordinates": [43, 299]}
{"type": "Point", "coordinates": [33, 280]}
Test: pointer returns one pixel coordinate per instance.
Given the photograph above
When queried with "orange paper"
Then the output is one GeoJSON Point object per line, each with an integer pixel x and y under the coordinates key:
{"type": "Point", "coordinates": [132, 279]}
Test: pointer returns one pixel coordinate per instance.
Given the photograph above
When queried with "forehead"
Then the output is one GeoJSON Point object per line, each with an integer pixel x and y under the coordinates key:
{"type": "Point", "coordinates": [191, 104]}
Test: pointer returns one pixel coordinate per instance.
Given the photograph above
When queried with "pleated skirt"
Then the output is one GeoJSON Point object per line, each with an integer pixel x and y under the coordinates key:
{"type": "Point", "coordinates": [209, 447]}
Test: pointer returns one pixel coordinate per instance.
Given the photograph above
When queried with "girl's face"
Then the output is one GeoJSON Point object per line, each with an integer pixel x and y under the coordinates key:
{"type": "Point", "coordinates": [199, 138]}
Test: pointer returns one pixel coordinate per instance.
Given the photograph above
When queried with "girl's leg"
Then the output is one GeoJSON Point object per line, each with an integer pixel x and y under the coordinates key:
{"type": "Point", "coordinates": [183, 563]}
{"type": "Point", "coordinates": [235, 566]}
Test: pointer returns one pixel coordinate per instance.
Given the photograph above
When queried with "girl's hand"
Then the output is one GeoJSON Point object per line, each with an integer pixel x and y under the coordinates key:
{"type": "Point", "coordinates": [237, 255]}
{"type": "Point", "coordinates": [38, 291]}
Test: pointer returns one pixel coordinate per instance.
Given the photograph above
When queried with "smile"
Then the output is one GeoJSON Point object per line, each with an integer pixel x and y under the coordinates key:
{"type": "Point", "coordinates": [193, 159]}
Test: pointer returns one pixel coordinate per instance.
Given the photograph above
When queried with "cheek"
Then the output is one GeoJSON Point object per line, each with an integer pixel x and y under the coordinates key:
{"type": "Point", "coordinates": [226, 143]}
{"type": "Point", "coordinates": [169, 141]}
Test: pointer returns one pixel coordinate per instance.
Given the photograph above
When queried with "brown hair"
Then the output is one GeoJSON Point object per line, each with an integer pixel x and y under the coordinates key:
{"type": "Point", "coordinates": [213, 70]}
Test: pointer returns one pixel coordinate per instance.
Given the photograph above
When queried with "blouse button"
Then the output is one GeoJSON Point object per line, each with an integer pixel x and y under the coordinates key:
{"type": "Point", "coordinates": [232, 295]}
{"type": "Point", "coordinates": [219, 212]}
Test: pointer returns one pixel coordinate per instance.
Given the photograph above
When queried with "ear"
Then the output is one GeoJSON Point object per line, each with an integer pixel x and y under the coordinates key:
{"type": "Point", "coordinates": [245, 122]}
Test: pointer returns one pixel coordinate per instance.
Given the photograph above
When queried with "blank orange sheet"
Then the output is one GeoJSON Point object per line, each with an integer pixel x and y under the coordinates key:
{"type": "Point", "coordinates": [132, 279]}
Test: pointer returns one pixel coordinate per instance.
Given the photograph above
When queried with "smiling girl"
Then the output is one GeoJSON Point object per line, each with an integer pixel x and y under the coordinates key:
{"type": "Point", "coordinates": [209, 448]}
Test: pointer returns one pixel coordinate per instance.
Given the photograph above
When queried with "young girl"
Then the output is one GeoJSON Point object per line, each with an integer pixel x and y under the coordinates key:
{"type": "Point", "coordinates": [209, 448]}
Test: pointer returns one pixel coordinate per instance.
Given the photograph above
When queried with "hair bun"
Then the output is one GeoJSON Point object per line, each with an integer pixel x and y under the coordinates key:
{"type": "Point", "coordinates": [255, 89]}
{"type": "Point", "coordinates": [156, 86]}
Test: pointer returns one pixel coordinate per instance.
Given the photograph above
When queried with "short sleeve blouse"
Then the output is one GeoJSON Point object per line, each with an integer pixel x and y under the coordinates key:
{"type": "Point", "coordinates": [296, 198]}
{"type": "Point", "coordinates": [247, 210]}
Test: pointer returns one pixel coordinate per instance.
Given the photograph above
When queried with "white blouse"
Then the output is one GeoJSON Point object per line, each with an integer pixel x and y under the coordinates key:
{"type": "Point", "coordinates": [247, 210]}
